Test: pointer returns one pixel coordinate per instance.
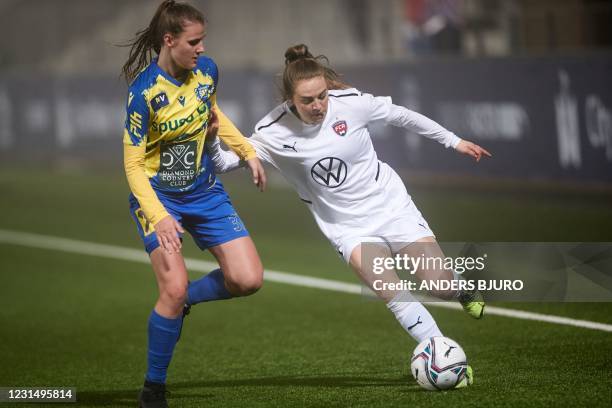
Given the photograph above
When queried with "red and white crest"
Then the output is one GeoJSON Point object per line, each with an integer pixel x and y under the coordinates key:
{"type": "Point", "coordinates": [340, 127]}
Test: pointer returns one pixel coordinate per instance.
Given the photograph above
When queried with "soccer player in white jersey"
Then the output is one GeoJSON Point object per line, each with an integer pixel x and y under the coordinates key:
{"type": "Point", "coordinates": [319, 140]}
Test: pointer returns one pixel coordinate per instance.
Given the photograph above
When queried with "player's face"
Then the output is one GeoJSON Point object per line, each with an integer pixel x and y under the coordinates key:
{"type": "Point", "coordinates": [188, 45]}
{"type": "Point", "coordinates": [310, 99]}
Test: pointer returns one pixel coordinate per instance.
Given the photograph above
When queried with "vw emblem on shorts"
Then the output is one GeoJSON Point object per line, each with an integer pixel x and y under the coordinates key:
{"type": "Point", "coordinates": [329, 172]}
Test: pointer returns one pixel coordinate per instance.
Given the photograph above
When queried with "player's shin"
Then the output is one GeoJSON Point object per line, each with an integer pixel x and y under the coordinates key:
{"type": "Point", "coordinates": [413, 317]}
{"type": "Point", "coordinates": [163, 335]}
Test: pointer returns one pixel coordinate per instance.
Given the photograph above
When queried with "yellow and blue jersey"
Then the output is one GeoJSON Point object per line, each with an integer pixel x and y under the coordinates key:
{"type": "Point", "coordinates": [164, 134]}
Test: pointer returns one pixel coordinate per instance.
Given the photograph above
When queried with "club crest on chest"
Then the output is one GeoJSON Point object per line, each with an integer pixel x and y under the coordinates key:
{"type": "Point", "coordinates": [340, 127]}
{"type": "Point", "coordinates": [204, 91]}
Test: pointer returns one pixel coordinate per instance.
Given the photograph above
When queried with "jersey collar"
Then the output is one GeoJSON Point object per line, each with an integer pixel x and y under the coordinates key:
{"type": "Point", "coordinates": [166, 75]}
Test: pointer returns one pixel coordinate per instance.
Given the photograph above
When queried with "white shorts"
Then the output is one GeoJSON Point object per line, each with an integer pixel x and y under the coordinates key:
{"type": "Point", "coordinates": [396, 230]}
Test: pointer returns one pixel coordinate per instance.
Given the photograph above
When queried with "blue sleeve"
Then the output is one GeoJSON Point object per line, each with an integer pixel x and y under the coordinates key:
{"type": "Point", "coordinates": [209, 67]}
{"type": "Point", "coordinates": [137, 118]}
{"type": "Point", "coordinates": [214, 72]}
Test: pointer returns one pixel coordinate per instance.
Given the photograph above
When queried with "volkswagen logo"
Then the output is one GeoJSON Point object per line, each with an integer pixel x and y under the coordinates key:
{"type": "Point", "coordinates": [329, 172]}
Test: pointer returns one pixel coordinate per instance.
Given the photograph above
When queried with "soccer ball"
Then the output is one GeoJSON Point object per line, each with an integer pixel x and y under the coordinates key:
{"type": "Point", "coordinates": [438, 363]}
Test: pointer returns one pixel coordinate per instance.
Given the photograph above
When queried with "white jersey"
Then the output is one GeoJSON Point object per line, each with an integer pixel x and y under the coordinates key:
{"type": "Point", "coordinates": [333, 165]}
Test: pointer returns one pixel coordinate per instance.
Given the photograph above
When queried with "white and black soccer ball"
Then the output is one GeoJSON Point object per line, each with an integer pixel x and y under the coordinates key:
{"type": "Point", "coordinates": [438, 363]}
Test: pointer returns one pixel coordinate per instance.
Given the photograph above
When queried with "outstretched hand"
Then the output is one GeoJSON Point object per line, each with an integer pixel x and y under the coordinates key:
{"type": "Point", "coordinates": [472, 149]}
{"type": "Point", "coordinates": [258, 172]}
{"type": "Point", "coordinates": [168, 232]}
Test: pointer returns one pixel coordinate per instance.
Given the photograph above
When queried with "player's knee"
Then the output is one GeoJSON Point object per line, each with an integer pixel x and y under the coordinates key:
{"type": "Point", "coordinates": [253, 284]}
{"type": "Point", "coordinates": [175, 294]}
{"type": "Point", "coordinates": [246, 285]}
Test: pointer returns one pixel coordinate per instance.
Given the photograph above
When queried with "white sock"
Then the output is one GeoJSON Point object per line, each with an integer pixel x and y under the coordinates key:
{"type": "Point", "coordinates": [413, 317]}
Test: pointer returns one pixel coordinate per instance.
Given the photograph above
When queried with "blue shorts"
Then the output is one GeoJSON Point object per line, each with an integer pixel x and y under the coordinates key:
{"type": "Point", "coordinates": [207, 214]}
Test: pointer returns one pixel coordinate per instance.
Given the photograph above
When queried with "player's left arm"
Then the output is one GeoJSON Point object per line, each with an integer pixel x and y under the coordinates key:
{"type": "Point", "coordinates": [220, 125]}
{"type": "Point", "coordinates": [231, 136]}
{"type": "Point", "coordinates": [225, 129]}
{"type": "Point", "coordinates": [422, 125]}
{"type": "Point", "coordinates": [383, 108]}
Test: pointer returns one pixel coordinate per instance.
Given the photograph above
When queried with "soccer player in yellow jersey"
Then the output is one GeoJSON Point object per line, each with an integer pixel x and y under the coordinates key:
{"type": "Point", "coordinates": [170, 102]}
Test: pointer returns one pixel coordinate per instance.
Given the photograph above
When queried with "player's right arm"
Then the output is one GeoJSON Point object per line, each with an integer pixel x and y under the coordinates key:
{"type": "Point", "coordinates": [134, 149]}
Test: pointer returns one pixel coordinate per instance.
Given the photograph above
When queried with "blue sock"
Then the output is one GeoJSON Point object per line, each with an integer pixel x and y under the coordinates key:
{"type": "Point", "coordinates": [163, 333]}
{"type": "Point", "coordinates": [207, 288]}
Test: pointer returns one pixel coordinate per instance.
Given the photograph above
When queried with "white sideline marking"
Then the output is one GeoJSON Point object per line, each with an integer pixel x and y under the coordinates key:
{"type": "Point", "coordinates": [136, 255]}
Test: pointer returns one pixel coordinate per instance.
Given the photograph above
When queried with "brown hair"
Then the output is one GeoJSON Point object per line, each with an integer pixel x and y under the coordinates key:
{"type": "Point", "coordinates": [301, 64]}
{"type": "Point", "coordinates": [168, 18]}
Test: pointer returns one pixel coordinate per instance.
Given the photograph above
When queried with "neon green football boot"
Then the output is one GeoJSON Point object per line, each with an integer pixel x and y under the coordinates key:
{"type": "Point", "coordinates": [472, 302]}
{"type": "Point", "coordinates": [468, 379]}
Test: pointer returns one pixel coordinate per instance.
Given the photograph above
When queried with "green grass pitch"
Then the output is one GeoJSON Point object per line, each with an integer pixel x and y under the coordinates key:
{"type": "Point", "coordinates": [80, 321]}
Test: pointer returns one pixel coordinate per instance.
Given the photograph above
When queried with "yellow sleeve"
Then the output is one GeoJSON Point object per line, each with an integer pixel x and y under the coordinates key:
{"type": "Point", "coordinates": [133, 161]}
{"type": "Point", "coordinates": [231, 136]}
